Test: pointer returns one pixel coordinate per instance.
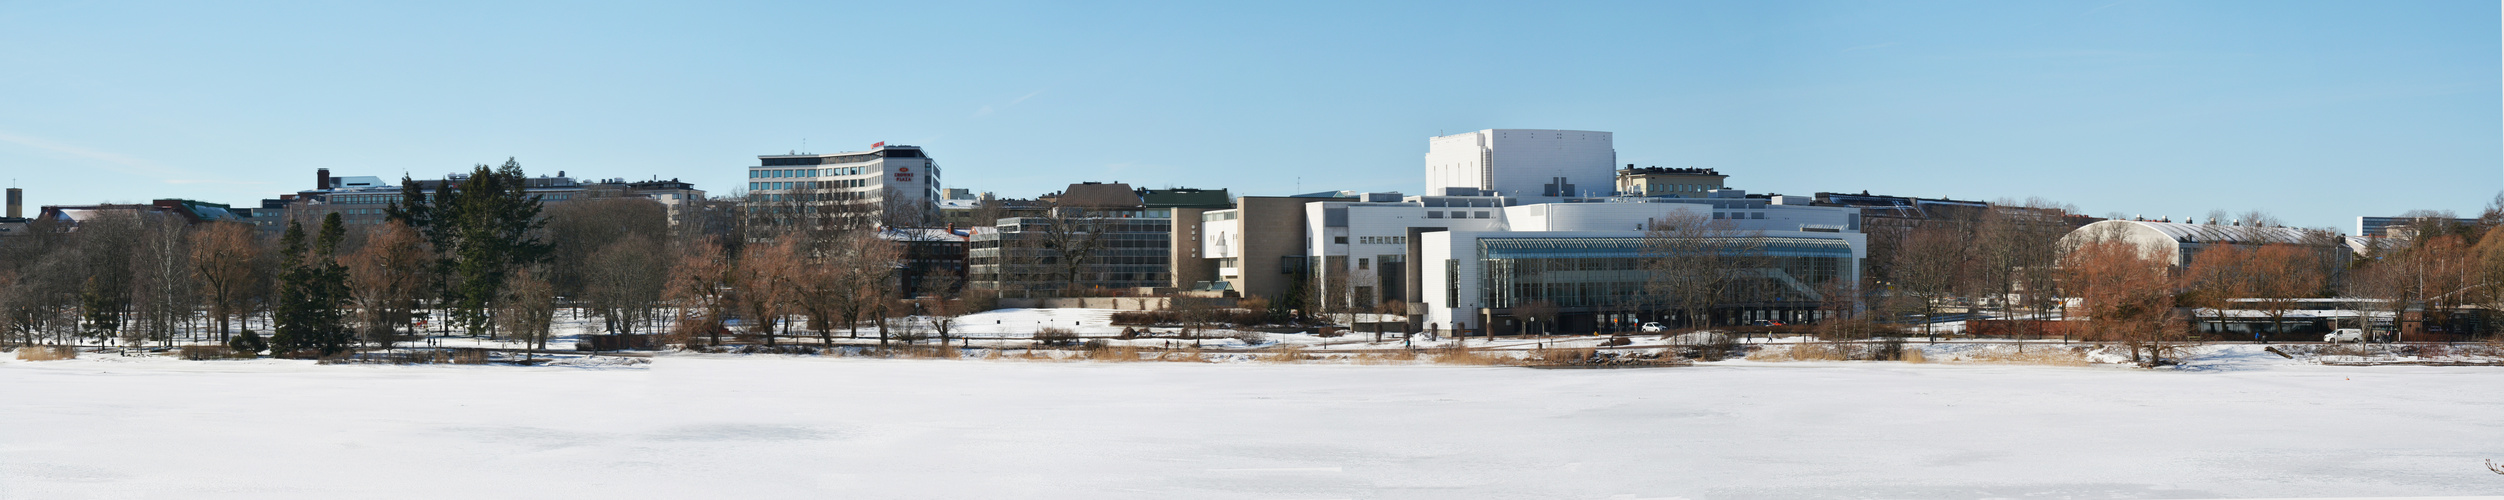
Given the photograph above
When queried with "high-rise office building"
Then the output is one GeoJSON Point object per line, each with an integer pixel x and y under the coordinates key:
{"type": "Point", "coordinates": [893, 185]}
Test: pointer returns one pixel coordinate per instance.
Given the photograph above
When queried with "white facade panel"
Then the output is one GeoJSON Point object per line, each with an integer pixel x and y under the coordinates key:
{"type": "Point", "coordinates": [1524, 163]}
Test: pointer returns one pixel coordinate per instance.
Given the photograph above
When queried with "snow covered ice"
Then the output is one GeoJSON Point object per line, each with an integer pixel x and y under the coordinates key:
{"type": "Point", "coordinates": [768, 426]}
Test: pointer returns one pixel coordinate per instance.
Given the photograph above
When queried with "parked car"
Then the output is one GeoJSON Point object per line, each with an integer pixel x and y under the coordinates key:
{"type": "Point", "coordinates": [2344, 335]}
{"type": "Point", "coordinates": [1654, 327]}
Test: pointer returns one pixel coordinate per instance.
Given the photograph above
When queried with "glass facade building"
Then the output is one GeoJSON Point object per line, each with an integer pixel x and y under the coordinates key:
{"type": "Point", "coordinates": [1778, 279]}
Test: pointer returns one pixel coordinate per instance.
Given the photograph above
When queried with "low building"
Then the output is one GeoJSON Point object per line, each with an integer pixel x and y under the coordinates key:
{"type": "Point", "coordinates": [1255, 247]}
{"type": "Point", "coordinates": [1471, 262]}
{"type": "Point", "coordinates": [2388, 227]}
{"type": "Point", "coordinates": [932, 261]}
{"type": "Point", "coordinates": [2180, 243]}
{"type": "Point", "coordinates": [361, 200]}
{"type": "Point", "coordinates": [1668, 182]}
{"type": "Point", "coordinates": [1092, 239]}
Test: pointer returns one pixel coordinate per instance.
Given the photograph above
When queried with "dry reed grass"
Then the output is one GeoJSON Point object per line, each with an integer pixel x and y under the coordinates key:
{"type": "Point", "coordinates": [1559, 356]}
{"type": "Point", "coordinates": [1819, 351]}
{"type": "Point", "coordinates": [2044, 355]}
{"type": "Point", "coordinates": [46, 353]}
{"type": "Point", "coordinates": [1389, 358]}
{"type": "Point", "coordinates": [1110, 354]}
{"type": "Point", "coordinates": [1188, 355]}
{"type": "Point", "coordinates": [1466, 356]}
{"type": "Point", "coordinates": [1287, 354]}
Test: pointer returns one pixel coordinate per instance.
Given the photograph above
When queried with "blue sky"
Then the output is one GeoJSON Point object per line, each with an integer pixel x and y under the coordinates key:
{"type": "Point", "coordinates": [2315, 111]}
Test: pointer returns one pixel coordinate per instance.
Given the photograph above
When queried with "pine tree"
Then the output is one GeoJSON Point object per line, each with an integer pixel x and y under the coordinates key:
{"type": "Point", "coordinates": [490, 221]}
{"type": "Point", "coordinates": [312, 290]}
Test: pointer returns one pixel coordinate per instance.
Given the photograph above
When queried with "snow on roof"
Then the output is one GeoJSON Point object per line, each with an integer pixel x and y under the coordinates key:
{"type": "Point", "coordinates": [2213, 233]}
{"type": "Point", "coordinates": [922, 234]}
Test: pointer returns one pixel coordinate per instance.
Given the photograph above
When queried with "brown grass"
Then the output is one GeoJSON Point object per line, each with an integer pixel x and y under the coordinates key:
{"type": "Point", "coordinates": [1802, 352]}
{"type": "Point", "coordinates": [1389, 358]}
{"type": "Point", "coordinates": [46, 353]}
{"type": "Point", "coordinates": [1187, 355]}
{"type": "Point", "coordinates": [1111, 354]}
{"type": "Point", "coordinates": [1559, 356]}
{"type": "Point", "coordinates": [1287, 354]}
{"type": "Point", "coordinates": [2042, 355]}
{"type": "Point", "coordinates": [1913, 355]}
{"type": "Point", "coordinates": [1465, 356]}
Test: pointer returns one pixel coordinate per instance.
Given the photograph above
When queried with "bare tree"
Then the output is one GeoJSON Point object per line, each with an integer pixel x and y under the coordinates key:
{"type": "Point", "coordinates": [388, 277]}
{"type": "Point", "coordinates": [1536, 313]}
{"type": "Point", "coordinates": [625, 282]}
{"type": "Point", "coordinates": [222, 256]}
{"type": "Point", "coordinates": [2284, 275]}
{"type": "Point", "coordinates": [849, 281]}
{"type": "Point", "coordinates": [578, 230]}
{"type": "Point", "coordinates": [2128, 297]}
{"type": "Point", "coordinates": [1928, 269]}
{"type": "Point", "coordinates": [2216, 277]}
{"type": "Point", "coordinates": [165, 296]}
{"type": "Point", "coordinates": [699, 286]}
{"type": "Point", "coordinates": [765, 282]}
{"type": "Point", "coordinates": [529, 305]}
{"type": "Point", "coordinates": [1696, 263]}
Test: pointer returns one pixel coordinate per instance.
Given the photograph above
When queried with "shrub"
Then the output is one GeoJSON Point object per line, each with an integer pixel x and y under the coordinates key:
{"type": "Point", "coordinates": [1052, 335]}
{"type": "Point", "coordinates": [207, 352]}
{"type": "Point", "coordinates": [247, 343]}
{"type": "Point", "coordinates": [1252, 338]}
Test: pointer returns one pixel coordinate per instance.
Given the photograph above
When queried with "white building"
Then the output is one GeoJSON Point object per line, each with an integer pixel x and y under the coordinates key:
{"type": "Point", "coordinates": [2180, 243]}
{"type": "Point", "coordinates": [884, 179]}
{"type": "Point", "coordinates": [1458, 261]}
{"type": "Point", "coordinates": [1533, 165]}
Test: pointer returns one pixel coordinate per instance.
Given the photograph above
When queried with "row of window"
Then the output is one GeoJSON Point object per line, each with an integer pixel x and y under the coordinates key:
{"type": "Point", "coordinates": [1680, 188]}
{"type": "Point", "coordinates": [833, 184]}
{"type": "Point", "coordinates": [812, 197]}
{"type": "Point", "coordinates": [1382, 240]}
{"type": "Point", "coordinates": [806, 172]}
{"type": "Point", "coordinates": [1738, 215]}
{"type": "Point", "coordinates": [1457, 214]}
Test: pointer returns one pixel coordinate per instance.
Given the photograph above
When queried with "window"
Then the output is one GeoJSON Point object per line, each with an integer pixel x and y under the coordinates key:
{"type": "Point", "coordinates": [1339, 240]}
{"type": "Point", "coordinates": [1482, 214]}
{"type": "Point", "coordinates": [1456, 214]}
{"type": "Point", "coordinates": [1434, 214]}
{"type": "Point", "coordinates": [1757, 215]}
{"type": "Point", "coordinates": [1719, 215]}
{"type": "Point", "coordinates": [1364, 263]}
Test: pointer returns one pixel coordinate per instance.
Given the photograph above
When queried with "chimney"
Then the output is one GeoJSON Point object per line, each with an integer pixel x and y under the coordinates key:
{"type": "Point", "coordinates": [17, 203]}
{"type": "Point", "coordinates": [321, 179]}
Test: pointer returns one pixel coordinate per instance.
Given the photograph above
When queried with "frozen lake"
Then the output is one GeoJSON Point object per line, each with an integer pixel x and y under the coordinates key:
{"type": "Point", "coordinates": [805, 427]}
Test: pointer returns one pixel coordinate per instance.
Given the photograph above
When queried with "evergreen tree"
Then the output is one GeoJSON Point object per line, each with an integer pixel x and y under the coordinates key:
{"type": "Point", "coordinates": [490, 222]}
{"type": "Point", "coordinates": [312, 291]}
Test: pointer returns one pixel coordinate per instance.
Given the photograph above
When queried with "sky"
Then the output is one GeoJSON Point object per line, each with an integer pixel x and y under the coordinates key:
{"type": "Point", "coordinates": [2316, 112]}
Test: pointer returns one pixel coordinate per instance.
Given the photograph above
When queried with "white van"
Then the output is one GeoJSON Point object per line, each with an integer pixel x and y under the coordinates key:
{"type": "Point", "coordinates": [2344, 335]}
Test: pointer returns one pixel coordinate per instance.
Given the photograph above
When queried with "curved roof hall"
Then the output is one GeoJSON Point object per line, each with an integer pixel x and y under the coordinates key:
{"type": "Point", "coordinates": [2183, 232]}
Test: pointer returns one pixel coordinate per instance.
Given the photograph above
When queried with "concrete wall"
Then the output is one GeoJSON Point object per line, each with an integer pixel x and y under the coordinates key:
{"type": "Point", "coordinates": [1188, 265]}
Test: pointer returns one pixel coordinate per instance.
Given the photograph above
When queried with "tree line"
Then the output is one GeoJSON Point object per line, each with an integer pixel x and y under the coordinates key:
{"type": "Point", "coordinates": [475, 255]}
